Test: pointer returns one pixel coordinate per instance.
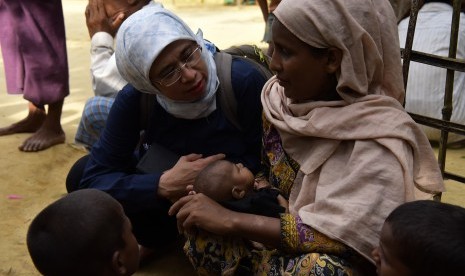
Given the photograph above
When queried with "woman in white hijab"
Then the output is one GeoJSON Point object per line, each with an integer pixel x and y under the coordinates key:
{"type": "Point", "coordinates": [158, 54]}
{"type": "Point", "coordinates": [337, 142]}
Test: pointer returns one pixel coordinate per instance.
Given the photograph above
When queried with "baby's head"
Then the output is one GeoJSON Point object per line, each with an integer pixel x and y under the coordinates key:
{"type": "Point", "coordinates": [84, 233]}
{"type": "Point", "coordinates": [422, 237]}
{"type": "Point", "coordinates": [223, 180]}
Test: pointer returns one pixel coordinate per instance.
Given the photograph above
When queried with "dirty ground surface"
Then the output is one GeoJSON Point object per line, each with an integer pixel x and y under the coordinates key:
{"type": "Point", "coordinates": [30, 181]}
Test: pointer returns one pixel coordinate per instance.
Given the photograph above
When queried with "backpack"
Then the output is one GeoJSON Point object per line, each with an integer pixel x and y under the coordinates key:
{"type": "Point", "coordinates": [223, 60]}
{"type": "Point", "coordinates": [225, 94]}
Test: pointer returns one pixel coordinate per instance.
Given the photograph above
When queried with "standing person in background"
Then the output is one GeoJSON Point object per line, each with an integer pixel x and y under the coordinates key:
{"type": "Point", "coordinates": [103, 19]}
{"type": "Point", "coordinates": [268, 16]}
{"type": "Point", "coordinates": [426, 83]}
{"type": "Point", "coordinates": [33, 42]}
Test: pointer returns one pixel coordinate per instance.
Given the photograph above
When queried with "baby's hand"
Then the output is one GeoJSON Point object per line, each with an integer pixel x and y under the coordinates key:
{"type": "Point", "coordinates": [190, 190]}
{"type": "Point", "coordinates": [260, 183]}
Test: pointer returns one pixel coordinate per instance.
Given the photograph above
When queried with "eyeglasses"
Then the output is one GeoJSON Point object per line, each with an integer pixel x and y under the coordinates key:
{"type": "Point", "coordinates": [173, 76]}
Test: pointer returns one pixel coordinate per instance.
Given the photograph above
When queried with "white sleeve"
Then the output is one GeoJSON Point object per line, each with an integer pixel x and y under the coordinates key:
{"type": "Point", "coordinates": [106, 80]}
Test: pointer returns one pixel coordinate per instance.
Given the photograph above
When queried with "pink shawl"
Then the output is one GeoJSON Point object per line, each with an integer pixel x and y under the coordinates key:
{"type": "Point", "coordinates": [363, 156]}
{"type": "Point", "coordinates": [401, 8]}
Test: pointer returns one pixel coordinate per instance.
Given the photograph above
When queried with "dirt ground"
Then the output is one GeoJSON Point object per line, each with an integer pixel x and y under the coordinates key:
{"type": "Point", "coordinates": [30, 181]}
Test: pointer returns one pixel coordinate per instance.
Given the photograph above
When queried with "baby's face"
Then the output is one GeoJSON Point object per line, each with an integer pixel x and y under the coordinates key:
{"type": "Point", "coordinates": [387, 262]}
{"type": "Point", "coordinates": [243, 177]}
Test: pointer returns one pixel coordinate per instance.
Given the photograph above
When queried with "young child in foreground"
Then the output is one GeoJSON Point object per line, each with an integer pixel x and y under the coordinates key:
{"type": "Point", "coordinates": [84, 233]}
{"type": "Point", "coordinates": [235, 187]}
{"type": "Point", "coordinates": [422, 237]}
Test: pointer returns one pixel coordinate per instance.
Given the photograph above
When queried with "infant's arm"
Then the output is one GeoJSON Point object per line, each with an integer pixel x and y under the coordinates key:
{"type": "Point", "coordinates": [261, 182]}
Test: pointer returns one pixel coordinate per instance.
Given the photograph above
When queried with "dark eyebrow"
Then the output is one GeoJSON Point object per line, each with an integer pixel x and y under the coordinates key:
{"type": "Point", "coordinates": [183, 55]}
{"type": "Point", "coordinates": [188, 50]}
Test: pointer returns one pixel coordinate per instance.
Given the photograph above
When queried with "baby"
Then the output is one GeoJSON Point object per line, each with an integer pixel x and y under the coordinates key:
{"type": "Point", "coordinates": [235, 187]}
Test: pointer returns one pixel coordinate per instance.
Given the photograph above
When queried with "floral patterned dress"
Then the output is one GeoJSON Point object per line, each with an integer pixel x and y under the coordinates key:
{"type": "Point", "coordinates": [304, 251]}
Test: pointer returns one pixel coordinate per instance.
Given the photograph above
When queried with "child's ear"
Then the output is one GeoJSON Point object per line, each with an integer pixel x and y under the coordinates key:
{"type": "Point", "coordinates": [238, 193]}
{"type": "Point", "coordinates": [117, 264]}
{"type": "Point", "coordinates": [334, 60]}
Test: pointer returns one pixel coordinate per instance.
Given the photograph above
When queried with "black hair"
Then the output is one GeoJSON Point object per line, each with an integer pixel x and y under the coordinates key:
{"type": "Point", "coordinates": [213, 180]}
{"type": "Point", "coordinates": [77, 234]}
{"type": "Point", "coordinates": [429, 237]}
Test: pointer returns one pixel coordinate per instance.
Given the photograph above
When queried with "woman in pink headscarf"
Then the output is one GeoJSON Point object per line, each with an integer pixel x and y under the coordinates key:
{"type": "Point", "coordinates": [337, 142]}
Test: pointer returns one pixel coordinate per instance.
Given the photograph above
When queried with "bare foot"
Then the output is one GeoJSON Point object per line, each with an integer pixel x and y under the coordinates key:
{"type": "Point", "coordinates": [50, 132]}
{"type": "Point", "coordinates": [31, 123]}
{"type": "Point", "coordinates": [43, 139]}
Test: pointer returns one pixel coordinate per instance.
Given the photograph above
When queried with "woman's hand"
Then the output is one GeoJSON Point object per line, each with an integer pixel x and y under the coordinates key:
{"type": "Point", "coordinates": [97, 19]}
{"type": "Point", "coordinates": [174, 181]}
{"type": "Point", "coordinates": [200, 211]}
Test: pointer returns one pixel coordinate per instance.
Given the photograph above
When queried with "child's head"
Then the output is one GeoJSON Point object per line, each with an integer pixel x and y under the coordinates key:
{"type": "Point", "coordinates": [84, 233]}
{"type": "Point", "coordinates": [223, 180]}
{"type": "Point", "coordinates": [422, 237]}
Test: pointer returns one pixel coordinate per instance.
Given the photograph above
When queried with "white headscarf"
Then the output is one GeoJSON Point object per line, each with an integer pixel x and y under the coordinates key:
{"type": "Point", "coordinates": [141, 38]}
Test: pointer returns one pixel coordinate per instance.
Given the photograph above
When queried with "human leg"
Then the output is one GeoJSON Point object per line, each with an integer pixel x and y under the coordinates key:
{"type": "Point", "coordinates": [75, 174]}
{"type": "Point", "coordinates": [41, 69]}
{"type": "Point", "coordinates": [49, 134]}
{"type": "Point", "coordinates": [31, 123]}
{"type": "Point", "coordinates": [93, 120]}
{"type": "Point", "coordinates": [219, 255]}
{"type": "Point", "coordinates": [14, 68]}
{"type": "Point", "coordinates": [216, 255]}
{"type": "Point", "coordinates": [12, 57]}
{"type": "Point", "coordinates": [321, 264]}
{"type": "Point", "coordinates": [153, 227]}
{"type": "Point", "coordinates": [42, 40]}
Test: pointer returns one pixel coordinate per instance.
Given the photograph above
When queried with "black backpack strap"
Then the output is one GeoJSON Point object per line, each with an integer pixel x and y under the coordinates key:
{"type": "Point", "coordinates": [225, 94]}
{"type": "Point", "coordinates": [147, 102]}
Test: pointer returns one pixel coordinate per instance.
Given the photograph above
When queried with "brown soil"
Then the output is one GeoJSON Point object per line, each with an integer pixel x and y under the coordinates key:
{"type": "Point", "coordinates": [30, 181]}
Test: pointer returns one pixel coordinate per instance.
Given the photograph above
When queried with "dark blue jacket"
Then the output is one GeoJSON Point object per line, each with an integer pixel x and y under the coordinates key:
{"type": "Point", "coordinates": [111, 167]}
